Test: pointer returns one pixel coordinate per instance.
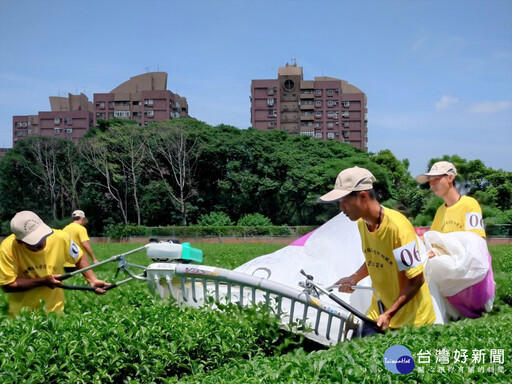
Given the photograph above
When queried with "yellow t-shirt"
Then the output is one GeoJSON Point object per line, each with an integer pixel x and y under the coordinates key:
{"type": "Point", "coordinates": [78, 234]}
{"type": "Point", "coordinates": [392, 257]}
{"type": "Point", "coordinates": [464, 215]}
{"type": "Point", "coordinates": [17, 261]}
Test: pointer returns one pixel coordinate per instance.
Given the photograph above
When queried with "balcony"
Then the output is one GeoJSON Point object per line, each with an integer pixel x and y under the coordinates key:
{"type": "Point", "coordinates": [307, 94]}
{"type": "Point", "coordinates": [306, 105]}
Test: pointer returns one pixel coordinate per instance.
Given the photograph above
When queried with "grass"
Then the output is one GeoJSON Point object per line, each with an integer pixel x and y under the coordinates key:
{"type": "Point", "coordinates": [127, 336]}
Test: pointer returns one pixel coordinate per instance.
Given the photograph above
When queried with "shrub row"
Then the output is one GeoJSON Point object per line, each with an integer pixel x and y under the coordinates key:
{"type": "Point", "coordinates": [120, 231]}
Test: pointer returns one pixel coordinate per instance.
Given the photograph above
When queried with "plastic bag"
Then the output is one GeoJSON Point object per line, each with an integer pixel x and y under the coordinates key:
{"type": "Point", "coordinates": [461, 271]}
{"type": "Point", "coordinates": [463, 262]}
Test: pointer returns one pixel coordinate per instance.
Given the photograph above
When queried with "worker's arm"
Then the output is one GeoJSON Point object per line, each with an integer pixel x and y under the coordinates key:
{"type": "Point", "coordinates": [346, 283]}
{"type": "Point", "coordinates": [24, 284]}
{"type": "Point", "coordinates": [90, 276]}
{"type": "Point", "coordinates": [87, 247]}
{"type": "Point", "coordinates": [408, 292]}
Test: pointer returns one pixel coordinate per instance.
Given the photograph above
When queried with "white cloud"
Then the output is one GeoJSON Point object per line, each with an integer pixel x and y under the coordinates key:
{"type": "Point", "coordinates": [446, 102]}
{"type": "Point", "coordinates": [485, 107]}
{"type": "Point", "coordinates": [419, 43]}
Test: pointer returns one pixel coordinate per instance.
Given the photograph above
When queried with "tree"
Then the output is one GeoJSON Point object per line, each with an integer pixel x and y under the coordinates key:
{"type": "Point", "coordinates": [407, 197]}
{"type": "Point", "coordinates": [96, 152]}
{"type": "Point", "coordinates": [173, 155]}
{"type": "Point", "coordinates": [45, 151]}
{"type": "Point", "coordinates": [70, 173]}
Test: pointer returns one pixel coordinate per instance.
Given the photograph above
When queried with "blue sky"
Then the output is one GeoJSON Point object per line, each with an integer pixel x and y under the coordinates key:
{"type": "Point", "coordinates": [437, 74]}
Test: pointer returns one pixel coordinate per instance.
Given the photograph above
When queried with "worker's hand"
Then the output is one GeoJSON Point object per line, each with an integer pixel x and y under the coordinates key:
{"type": "Point", "coordinates": [95, 260]}
{"type": "Point", "coordinates": [345, 284]}
{"type": "Point", "coordinates": [383, 321]}
{"type": "Point", "coordinates": [50, 281]}
{"type": "Point", "coordinates": [99, 284]}
{"type": "Point", "coordinates": [431, 254]}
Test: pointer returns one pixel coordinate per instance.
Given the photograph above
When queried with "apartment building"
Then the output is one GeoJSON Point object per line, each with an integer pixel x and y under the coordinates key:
{"type": "Point", "coordinates": [325, 108]}
{"type": "Point", "coordinates": [70, 117]}
{"type": "Point", "coordinates": [143, 98]}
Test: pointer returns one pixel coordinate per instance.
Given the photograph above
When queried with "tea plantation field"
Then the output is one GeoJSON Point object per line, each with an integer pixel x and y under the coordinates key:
{"type": "Point", "coordinates": [126, 336]}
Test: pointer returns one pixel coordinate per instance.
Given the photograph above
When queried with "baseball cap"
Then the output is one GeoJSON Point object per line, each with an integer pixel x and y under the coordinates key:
{"type": "Point", "coordinates": [78, 213]}
{"type": "Point", "coordinates": [349, 180]}
{"type": "Point", "coordinates": [29, 228]}
{"type": "Point", "coordinates": [438, 169]}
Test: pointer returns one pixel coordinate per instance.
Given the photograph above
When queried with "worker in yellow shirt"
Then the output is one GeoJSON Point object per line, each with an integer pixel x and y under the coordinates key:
{"type": "Point", "coordinates": [78, 233]}
{"type": "Point", "coordinates": [391, 254]}
{"type": "Point", "coordinates": [460, 213]}
{"type": "Point", "coordinates": [32, 258]}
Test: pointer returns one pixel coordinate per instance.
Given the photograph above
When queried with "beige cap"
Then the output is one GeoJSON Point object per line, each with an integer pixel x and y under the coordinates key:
{"type": "Point", "coordinates": [349, 180]}
{"type": "Point", "coordinates": [78, 213]}
{"type": "Point", "coordinates": [438, 169]}
{"type": "Point", "coordinates": [29, 228]}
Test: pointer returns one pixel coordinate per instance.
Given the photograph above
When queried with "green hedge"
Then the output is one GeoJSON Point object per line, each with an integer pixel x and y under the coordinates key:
{"type": "Point", "coordinates": [120, 231]}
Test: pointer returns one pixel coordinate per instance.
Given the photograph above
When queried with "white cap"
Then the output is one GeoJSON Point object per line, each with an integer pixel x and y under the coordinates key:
{"type": "Point", "coordinates": [438, 169]}
{"type": "Point", "coordinates": [29, 228]}
{"type": "Point", "coordinates": [349, 180]}
{"type": "Point", "coordinates": [78, 213]}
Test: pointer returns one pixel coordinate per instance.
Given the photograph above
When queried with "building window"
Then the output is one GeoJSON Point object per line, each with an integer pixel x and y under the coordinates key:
{"type": "Point", "coordinates": [308, 133]}
{"type": "Point", "coordinates": [149, 113]}
{"type": "Point", "coordinates": [330, 124]}
{"type": "Point", "coordinates": [68, 130]}
{"type": "Point", "coordinates": [346, 104]}
{"type": "Point", "coordinates": [345, 114]}
{"type": "Point", "coordinates": [346, 124]}
{"type": "Point", "coordinates": [122, 103]}
{"type": "Point", "coordinates": [346, 134]}
{"type": "Point", "coordinates": [307, 113]}
{"type": "Point", "coordinates": [121, 113]}
{"type": "Point", "coordinates": [101, 115]}
{"type": "Point", "coordinates": [318, 135]}
{"type": "Point", "coordinates": [111, 104]}
{"type": "Point", "coordinates": [271, 124]}
{"type": "Point", "coordinates": [270, 101]}
{"type": "Point", "coordinates": [331, 103]}
{"type": "Point", "coordinates": [272, 113]}
{"type": "Point", "coordinates": [136, 102]}
{"type": "Point", "coordinates": [318, 125]}
{"type": "Point", "coordinates": [318, 114]}
{"type": "Point", "coordinates": [306, 123]}
{"type": "Point", "coordinates": [69, 121]}
{"type": "Point", "coordinates": [330, 135]}
{"type": "Point", "coordinates": [289, 85]}
{"type": "Point", "coordinates": [57, 130]}
{"type": "Point", "coordinates": [330, 92]}
{"type": "Point", "coordinates": [148, 102]}
{"type": "Point", "coordinates": [56, 121]}
{"type": "Point", "coordinates": [318, 92]}
{"type": "Point", "coordinates": [110, 115]}
{"type": "Point", "coordinates": [318, 103]}
{"type": "Point", "coordinates": [101, 104]}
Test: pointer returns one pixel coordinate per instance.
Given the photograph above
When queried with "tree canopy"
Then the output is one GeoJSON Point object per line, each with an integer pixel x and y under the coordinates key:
{"type": "Point", "coordinates": [179, 172]}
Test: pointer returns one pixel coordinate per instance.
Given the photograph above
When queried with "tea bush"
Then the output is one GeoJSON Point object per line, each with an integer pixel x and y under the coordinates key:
{"type": "Point", "coordinates": [125, 336]}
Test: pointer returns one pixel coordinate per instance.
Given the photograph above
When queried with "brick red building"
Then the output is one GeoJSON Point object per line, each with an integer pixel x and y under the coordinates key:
{"type": "Point", "coordinates": [143, 98]}
{"type": "Point", "coordinates": [325, 108]}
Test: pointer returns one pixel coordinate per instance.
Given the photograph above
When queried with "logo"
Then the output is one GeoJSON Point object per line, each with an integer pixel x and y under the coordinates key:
{"type": "Point", "coordinates": [398, 359]}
